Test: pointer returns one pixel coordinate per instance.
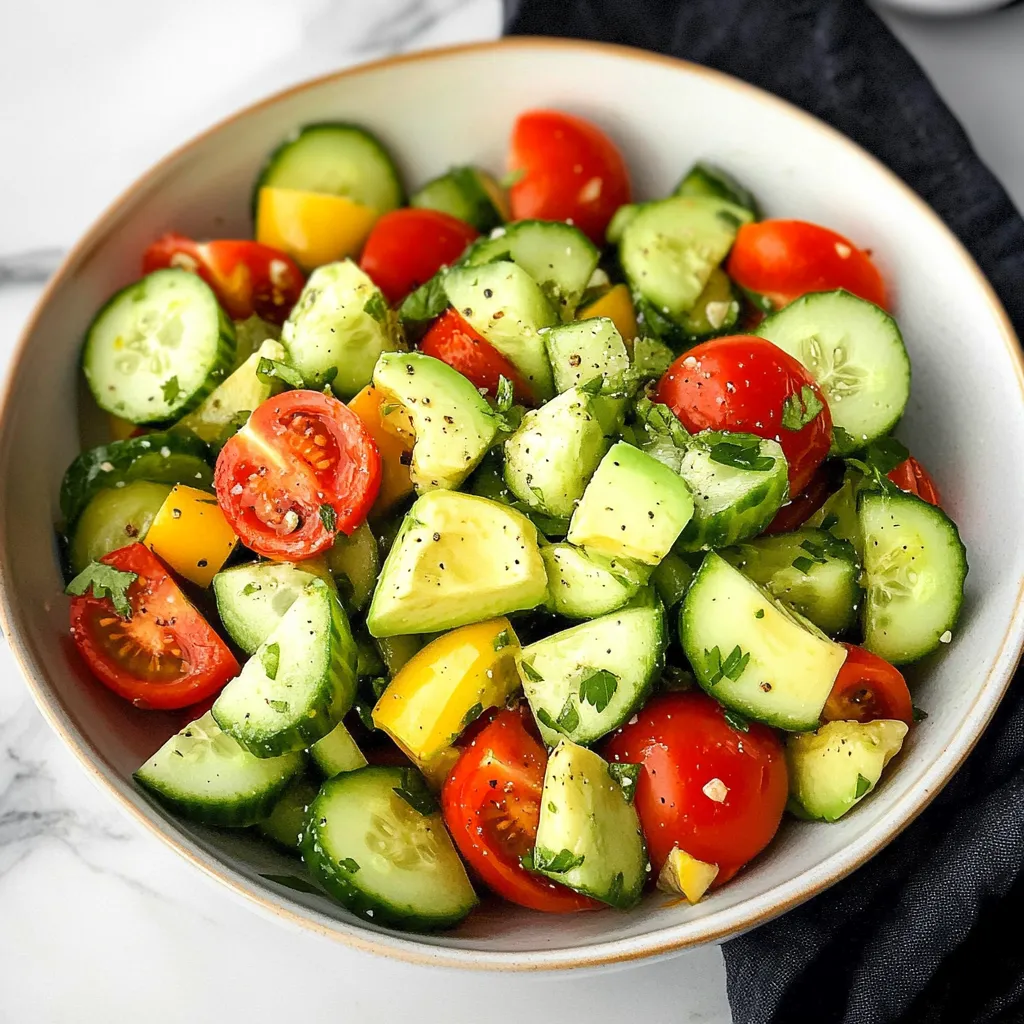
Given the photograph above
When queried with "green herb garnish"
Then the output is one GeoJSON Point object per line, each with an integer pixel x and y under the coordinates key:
{"type": "Point", "coordinates": [269, 369]}
{"type": "Point", "coordinates": [799, 410]}
{"type": "Point", "coordinates": [531, 673]}
{"type": "Point", "coordinates": [171, 390]}
{"type": "Point", "coordinates": [598, 687]}
{"type": "Point", "coordinates": [329, 518]}
{"type": "Point", "coordinates": [556, 863]}
{"type": "Point", "coordinates": [863, 785]}
{"type": "Point", "coordinates": [625, 775]}
{"type": "Point", "coordinates": [270, 658]}
{"type": "Point", "coordinates": [741, 451]}
{"type": "Point", "coordinates": [104, 581]}
{"type": "Point", "coordinates": [471, 715]}
{"type": "Point", "coordinates": [376, 307]}
{"type": "Point", "coordinates": [502, 640]}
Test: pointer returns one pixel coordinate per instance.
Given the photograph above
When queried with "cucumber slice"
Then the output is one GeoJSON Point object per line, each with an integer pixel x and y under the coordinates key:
{"type": "Point", "coordinates": [914, 566]}
{"type": "Point", "coordinates": [300, 682]}
{"type": "Point", "coordinates": [752, 653]}
{"type": "Point", "coordinates": [839, 513]}
{"type": "Point", "coordinates": [716, 310]}
{"type": "Point", "coordinates": [464, 192]}
{"type": "Point", "coordinates": [672, 578]}
{"type": "Point", "coordinates": [158, 348]}
{"type": "Point", "coordinates": [377, 843]}
{"type": "Point", "coordinates": [160, 458]}
{"type": "Point", "coordinates": [586, 681]}
{"type": "Point", "coordinates": [705, 179]}
{"type": "Point", "coordinates": [204, 775]}
{"type": "Point", "coordinates": [855, 352]}
{"type": "Point", "coordinates": [337, 752]}
{"type": "Point", "coordinates": [356, 560]}
{"type": "Point", "coordinates": [809, 571]}
{"type": "Point", "coordinates": [585, 349]}
{"type": "Point", "coordinates": [287, 821]}
{"type": "Point", "coordinates": [583, 585]}
{"type": "Point", "coordinates": [559, 257]}
{"type": "Point", "coordinates": [115, 517]}
{"type": "Point", "coordinates": [337, 159]}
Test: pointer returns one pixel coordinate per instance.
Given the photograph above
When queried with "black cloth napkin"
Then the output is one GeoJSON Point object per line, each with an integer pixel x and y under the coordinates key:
{"type": "Point", "coordinates": [927, 930]}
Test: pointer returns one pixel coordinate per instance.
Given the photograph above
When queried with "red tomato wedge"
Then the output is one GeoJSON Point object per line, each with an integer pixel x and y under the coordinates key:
{"type": "Point", "coordinates": [165, 655]}
{"type": "Point", "coordinates": [911, 476]}
{"type": "Point", "coordinates": [784, 259]}
{"type": "Point", "coordinates": [406, 248]}
{"type": "Point", "coordinates": [868, 688]}
{"type": "Point", "coordinates": [491, 805]}
{"type": "Point", "coordinates": [454, 342]}
{"type": "Point", "coordinates": [684, 743]}
{"type": "Point", "coordinates": [746, 384]}
{"type": "Point", "coordinates": [301, 470]}
{"type": "Point", "coordinates": [570, 170]}
{"type": "Point", "coordinates": [247, 277]}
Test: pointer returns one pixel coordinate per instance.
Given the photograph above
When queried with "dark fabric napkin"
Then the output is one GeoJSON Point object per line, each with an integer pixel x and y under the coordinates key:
{"type": "Point", "coordinates": [927, 930]}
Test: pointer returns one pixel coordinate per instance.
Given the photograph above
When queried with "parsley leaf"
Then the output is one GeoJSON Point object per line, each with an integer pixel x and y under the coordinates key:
{"type": "Point", "coordinates": [531, 673]}
{"type": "Point", "coordinates": [415, 793]}
{"type": "Point", "coordinates": [759, 614]}
{"type": "Point", "coordinates": [568, 719]}
{"type": "Point", "coordinates": [598, 688]}
{"type": "Point", "coordinates": [280, 706]}
{"type": "Point", "coordinates": [880, 459]}
{"type": "Point", "coordinates": [171, 389]}
{"type": "Point", "coordinates": [736, 720]}
{"type": "Point", "coordinates": [268, 369]}
{"type": "Point", "coordinates": [863, 785]}
{"type": "Point", "coordinates": [803, 564]}
{"type": "Point", "coordinates": [556, 863]}
{"type": "Point", "coordinates": [829, 521]}
{"type": "Point", "coordinates": [104, 581]}
{"type": "Point", "coordinates": [731, 668]}
{"type": "Point", "coordinates": [376, 307]}
{"type": "Point", "coordinates": [502, 640]}
{"type": "Point", "coordinates": [651, 358]}
{"type": "Point", "coordinates": [741, 451]}
{"type": "Point", "coordinates": [843, 440]}
{"type": "Point", "coordinates": [430, 300]}
{"type": "Point", "coordinates": [546, 720]}
{"type": "Point", "coordinates": [512, 178]}
{"type": "Point", "coordinates": [714, 664]}
{"type": "Point", "coordinates": [329, 518]}
{"type": "Point", "coordinates": [660, 422]}
{"type": "Point", "coordinates": [471, 715]}
{"type": "Point", "coordinates": [270, 658]}
{"type": "Point", "coordinates": [251, 588]}
{"type": "Point", "coordinates": [625, 775]}
{"type": "Point", "coordinates": [799, 410]}
{"type": "Point", "coordinates": [919, 714]}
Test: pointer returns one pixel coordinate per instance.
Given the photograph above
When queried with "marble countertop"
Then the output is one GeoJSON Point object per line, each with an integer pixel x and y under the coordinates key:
{"type": "Point", "coordinates": [98, 921]}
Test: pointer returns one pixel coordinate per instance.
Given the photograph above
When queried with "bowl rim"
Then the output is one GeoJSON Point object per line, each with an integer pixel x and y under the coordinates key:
{"type": "Point", "coordinates": [419, 950]}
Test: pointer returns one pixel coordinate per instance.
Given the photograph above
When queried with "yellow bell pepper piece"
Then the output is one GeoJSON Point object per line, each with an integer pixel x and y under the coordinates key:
{"type": "Point", "coordinates": [617, 305]}
{"type": "Point", "coordinates": [686, 876]}
{"type": "Point", "coordinates": [191, 534]}
{"type": "Point", "coordinates": [443, 687]}
{"type": "Point", "coordinates": [312, 227]}
{"type": "Point", "coordinates": [394, 442]}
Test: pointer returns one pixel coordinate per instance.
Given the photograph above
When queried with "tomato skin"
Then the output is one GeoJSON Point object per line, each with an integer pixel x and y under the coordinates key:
{"type": "Point", "coordinates": [868, 688]}
{"type": "Point", "coordinates": [247, 277]}
{"type": "Point", "coordinates": [784, 259]}
{"type": "Point", "coordinates": [162, 621]}
{"type": "Point", "coordinates": [452, 340]}
{"type": "Point", "coordinates": [407, 247]}
{"type": "Point", "coordinates": [740, 383]}
{"type": "Point", "coordinates": [300, 452]}
{"type": "Point", "coordinates": [912, 477]}
{"type": "Point", "coordinates": [683, 742]}
{"type": "Point", "coordinates": [571, 171]}
{"type": "Point", "coordinates": [498, 780]}
{"type": "Point", "coordinates": [797, 511]}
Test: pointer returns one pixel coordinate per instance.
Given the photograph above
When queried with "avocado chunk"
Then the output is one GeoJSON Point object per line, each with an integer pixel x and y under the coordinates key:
{"type": "Point", "coordinates": [453, 423]}
{"type": "Point", "coordinates": [585, 349]}
{"type": "Point", "coordinates": [458, 558]}
{"type": "Point", "coordinates": [338, 328]}
{"type": "Point", "coordinates": [835, 767]}
{"type": "Point", "coordinates": [634, 507]}
{"type": "Point", "coordinates": [583, 584]}
{"type": "Point", "coordinates": [589, 834]}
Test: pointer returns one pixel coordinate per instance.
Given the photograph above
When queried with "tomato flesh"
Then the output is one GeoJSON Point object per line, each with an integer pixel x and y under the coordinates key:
{"type": "Point", "coordinates": [912, 477]}
{"type": "Point", "coordinates": [868, 688]}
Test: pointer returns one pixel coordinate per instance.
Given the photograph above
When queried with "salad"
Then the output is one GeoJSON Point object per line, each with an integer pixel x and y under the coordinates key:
{"type": "Point", "coordinates": [515, 538]}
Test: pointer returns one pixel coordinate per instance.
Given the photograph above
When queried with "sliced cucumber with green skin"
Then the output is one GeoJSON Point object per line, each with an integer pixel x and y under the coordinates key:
{"type": "Point", "coordinates": [356, 560]}
{"type": "Point", "coordinates": [839, 513]}
{"type": "Point", "coordinates": [559, 257]}
{"type": "Point", "coordinates": [704, 179]}
{"type": "Point", "coordinates": [586, 681]}
{"type": "Point", "coordinates": [161, 458]}
{"type": "Point", "coordinates": [915, 566]}
{"type": "Point", "coordinates": [337, 752]}
{"type": "Point", "coordinates": [380, 856]}
{"type": "Point", "coordinates": [250, 335]}
{"type": "Point", "coordinates": [588, 835]}
{"type": "Point", "coordinates": [468, 193]}
{"type": "Point", "coordinates": [300, 682]}
{"type": "Point", "coordinates": [336, 159]}
{"type": "Point", "coordinates": [855, 352]}
{"type": "Point", "coordinates": [672, 578]}
{"type": "Point", "coordinates": [752, 653]}
{"type": "Point", "coordinates": [205, 775]}
{"type": "Point", "coordinates": [158, 348]}
{"type": "Point", "coordinates": [287, 821]}
{"type": "Point", "coordinates": [583, 585]}
{"type": "Point", "coordinates": [115, 517]}
{"type": "Point", "coordinates": [585, 349]}
{"type": "Point", "coordinates": [808, 570]}
{"type": "Point", "coordinates": [716, 310]}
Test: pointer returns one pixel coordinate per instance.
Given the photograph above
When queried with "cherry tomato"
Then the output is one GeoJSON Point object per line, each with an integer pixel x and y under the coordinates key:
{"type": "Point", "coordinates": [454, 342]}
{"type": "Point", "coordinates": [247, 277]}
{"type": "Point", "coordinates": [867, 688]}
{"type": "Point", "coordinates": [784, 259]}
{"type": "Point", "coordinates": [303, 468]}
{"type": "Point", "coordinates": [911, 476]}
{"type": "Point", "coordinates": [491, 805]}
{"type": "Point", "coordinates": [706, 787]}
{"type": "Point", "coordinates": [570, 171]}
{"type": "Point", "coordinates": [164, 655]}
{"type": "Point", "coordinates": [797, 511]}
{"type": "Point", "coordinates": [742, 383]}
{"type": "Point", "coordinates": [407, 247]}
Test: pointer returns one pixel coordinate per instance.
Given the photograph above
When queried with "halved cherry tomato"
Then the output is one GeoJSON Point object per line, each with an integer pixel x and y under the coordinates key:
{"type": "Point", "coordinates": [247, 277]}
{"type": "Point", "coordinates": [570, 171]}
{"type": "Point", "coordinates": [796, 512]}
{"type": "Point", "coordinates": [406, 248]}
{"type": "Point", "coordinates": [491, 805]}
{"type": "Point", "coordinates": [684, 742]}
{"type": "Point", "coordinates": [784, 259]}
{"type": "Point", "coordinates": [868, 688]}
{"type": "Point", "coordinates": [165, 655]}
{"type": "Point", "coordinates": [452, 340]}
{"type": "Point", "coordinates": [742, 383]}
{"type": "Point", "coordinates": [911, 476]}
{"type": "Point", "coordinates": [303, 468]}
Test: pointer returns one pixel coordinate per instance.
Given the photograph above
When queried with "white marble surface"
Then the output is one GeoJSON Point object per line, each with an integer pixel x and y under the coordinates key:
{"type": "Point", "coordinates": [99, 922]}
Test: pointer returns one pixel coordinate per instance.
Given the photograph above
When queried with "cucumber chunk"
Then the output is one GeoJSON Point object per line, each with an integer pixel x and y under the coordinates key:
{"type": "Point", "coordinates": [205, 775]}
{"type": "Point", "coordinates": [385, 859]}
{"type": "Point", "coordinates": [158, 348]}
{"type": "Point", "coordinates": [839, 513]}
{"type": "Point", "coordinates": [716, 310]}
{"type": "Point", "coordinates": [584, 585]}
{"type": "Point", "coordinates": [705, 179]}
{"type": "Point", "coordinates": [115, 517]}
{"type": "Point", "coordinates": [285, 824]}
{"type": "Point", "coordinates": [915, 566]}
{"type": "Point", "coordinates": [337, 752]}
{"type": "Point", "coordinates": [672, 578]}
{"type": "Point", "coordinates": [356, 560]}
{"type": "Point", "coordinates": [468, 193]}
{"type": "Point", "coordinates": [583, 350]}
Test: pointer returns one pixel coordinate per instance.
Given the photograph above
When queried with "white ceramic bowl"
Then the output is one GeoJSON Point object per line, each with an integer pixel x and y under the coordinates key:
{"type": "Point", "coordinates": [964, 420]}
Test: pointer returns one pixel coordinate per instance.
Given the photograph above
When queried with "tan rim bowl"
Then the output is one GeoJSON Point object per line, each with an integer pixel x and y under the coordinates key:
{"type": "Point", "coordinates": [450, 106]}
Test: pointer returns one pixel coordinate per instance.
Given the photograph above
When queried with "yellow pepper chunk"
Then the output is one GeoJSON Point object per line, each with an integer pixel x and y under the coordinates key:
{"type": "Point", "coordinates": [394, 442]}
{"type": "Point", "coordinates": [191, 534]}
{"type": "Point", "coordinates": [686, 876]}
{"type": "Point", "coordinates": [312, 227]}
{"type": "Point", "coordinates": [617, 305]}
{"type": "Point", "coordinates": [447, 684]}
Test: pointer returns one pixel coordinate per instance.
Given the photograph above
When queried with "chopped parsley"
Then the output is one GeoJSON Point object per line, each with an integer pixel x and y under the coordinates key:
{"type": "Point", "coordinates": [270, 658]}
{"type": "Point", "coordinates": [625, 775]}
{"type": "Point", "coordinates": [349, 865]}
{"type": "Point", "coordinates": [269, 369]}
{"type": "Point", "coordinates": [104, 581]}
{"type": "Point", "coordinates": [329, 518]}
{"type": "Point", "coordinates": [171, 390]}
{"type": "Point", "coordinates": [376, 307]}
{"type": "Point", "coordinates": [430, 300]}
{"type": "Point", "coordinates": [731, 668]}
{"type": "Point", "coordinates": [251, 588]}
{"type": "Point", "coordinates": [863, 785]}
{"type": "Point", "coordinates": [556, 863]}
{"type": "Point", "coordinates": [502, 640]}
{"type": "Point", "coordinates": [741, 451]}
{"type": "Point", "coordinates": [531, 673]}
{"type": "Point", "coordinates": [759, 614]}
{"type": "Point", "coordinates": [799, 410]}
{"type": "Point", "coordinates": [415, 794]}
{"type": "Point", "coordinates": [472, 715]}
{"type": "Point", "coordinates": [598, 687]}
